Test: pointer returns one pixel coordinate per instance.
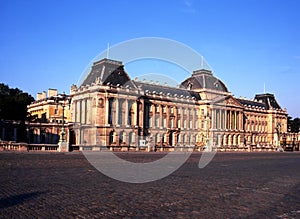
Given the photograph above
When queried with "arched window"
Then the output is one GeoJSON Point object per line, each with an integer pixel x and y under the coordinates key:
{"type": "Point", "coordinates": [129, 112]}
{"type": "Point", "coordinates": [111, 137]}
{"type": "Point", "coordinates": [234, 140]}
{"type": "Point", "coordinates": [157, 138]}
{"type": "Point", "coordinates": [179, 138]}
{"type": "Point", "coordinates": [229, 140]}
{"type": "Point", "coordinates": [191, 141]}
{"type": "Point", "coordinates": [185, 139]}
{"type": "Point", "coordinates": [131, 137]}
{"type": "Point", "coordinates": [122, 137]}
{"type": "Point", "coordinates": [164, 138]}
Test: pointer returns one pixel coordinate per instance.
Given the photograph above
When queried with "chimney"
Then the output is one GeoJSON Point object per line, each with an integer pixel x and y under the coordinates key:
{"type": "Point", "coordinates": [52, 92]}
{"type": "Point", "coordinates": [44, 95]}
{"type": "Point", "coordinates": [39, 96]}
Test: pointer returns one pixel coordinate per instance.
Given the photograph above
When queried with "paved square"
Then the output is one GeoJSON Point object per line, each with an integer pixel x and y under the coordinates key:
{"type": "Point", "coordinates": [233, 185]}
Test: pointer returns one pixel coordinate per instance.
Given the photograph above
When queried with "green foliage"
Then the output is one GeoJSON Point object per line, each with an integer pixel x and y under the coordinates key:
{"type": "Point", "coordinates": [13, 103]}
{"type": "Point", "coordinates": [294, 124]}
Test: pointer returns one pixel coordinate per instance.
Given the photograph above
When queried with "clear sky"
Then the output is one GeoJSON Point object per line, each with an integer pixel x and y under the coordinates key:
{"type": "Point", "coordinates": [48, 43]}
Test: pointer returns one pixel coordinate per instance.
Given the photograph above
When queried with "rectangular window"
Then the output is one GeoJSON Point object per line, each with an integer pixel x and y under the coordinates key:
{"type": "Point", "coordinates": [164, 122]}
{"type": "Point", "coordinates": [202, 124]}
{"type": "Point", "coordinates": [129, 112]}
{"type": "Point", "coordinates": [157, 108]}
{"type": "Point", "coordinates": [120, 113]}
{"type": "Point", "coordinates": [110, 105]}
{"type": "Point", "coordinates": [157, 121]}
{"type": "Point", "coordinates": [164, 109]}
{"type": "Point", "coordinates": [172, 109]}
{"type": "Point", "coordinates": [172, 123]}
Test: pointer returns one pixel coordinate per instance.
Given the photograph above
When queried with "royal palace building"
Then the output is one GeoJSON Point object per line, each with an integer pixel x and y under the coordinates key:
{"type": "Point", "coordinates": [49, 116]}
{"type": "Point", "coordinates": [109, 109]}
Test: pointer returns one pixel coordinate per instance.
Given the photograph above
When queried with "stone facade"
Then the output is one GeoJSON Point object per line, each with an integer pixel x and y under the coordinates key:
{"type": "Point", "coordinates": [48, 116]}
{"type": "Point", "coordinates": [111, 110]}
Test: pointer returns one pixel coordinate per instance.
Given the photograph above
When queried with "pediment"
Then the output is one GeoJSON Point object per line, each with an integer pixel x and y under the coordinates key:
{"type": "Point", "coordinates": [227, 101]}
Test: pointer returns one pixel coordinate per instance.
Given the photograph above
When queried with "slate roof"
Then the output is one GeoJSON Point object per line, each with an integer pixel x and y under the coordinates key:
{"type": "Point", "coordinates": [165, 90]}
{"type": "Point", "coordinates": [204, 79]}
{"type": "Point", "coordinates": [269, 101]}
{"type": "Point", "coordinates": [251, 103]}
{"type": "Point", "coordinates": [107, 71]}
{"type": "Point", "coordinates": [266, 101]}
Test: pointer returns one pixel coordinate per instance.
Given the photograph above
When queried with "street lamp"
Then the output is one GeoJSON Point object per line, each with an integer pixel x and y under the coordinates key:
{"type": "Point", "coordinates": [63, 100]}
{"type": "Point", "coordinates": [278, 129]}
{"type": "Point", "coordinates": [208, 143]}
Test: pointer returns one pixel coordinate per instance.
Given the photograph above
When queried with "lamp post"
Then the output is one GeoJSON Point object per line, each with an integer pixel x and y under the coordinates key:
{"type": "Point", "coordinates": [208, 146]}
{"type": "Point", "coordinates": [278, 129]}
{"type": "Point", "coordinates": [294, 141]}
{"type": "Point", "coordinates": [63, 100]}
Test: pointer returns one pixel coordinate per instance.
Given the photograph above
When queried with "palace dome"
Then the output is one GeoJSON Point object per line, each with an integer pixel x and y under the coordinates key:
{"type": "Point", "coordinates": [204, 79]}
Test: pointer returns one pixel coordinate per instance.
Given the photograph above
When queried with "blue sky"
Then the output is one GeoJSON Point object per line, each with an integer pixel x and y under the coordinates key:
{"type": "Point", "coordinates": [48, 43]}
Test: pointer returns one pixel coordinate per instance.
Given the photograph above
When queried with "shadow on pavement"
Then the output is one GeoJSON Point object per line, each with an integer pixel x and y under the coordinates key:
{"type": "Point", "coordinates": [18, 199]}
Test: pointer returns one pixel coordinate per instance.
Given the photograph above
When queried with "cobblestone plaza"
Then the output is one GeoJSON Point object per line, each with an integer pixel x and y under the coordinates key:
{"type": "Point", "coordinates": [233, 185]}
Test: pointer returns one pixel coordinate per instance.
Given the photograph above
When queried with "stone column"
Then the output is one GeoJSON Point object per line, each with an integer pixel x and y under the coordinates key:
{"type": "Point", "coordinates": [232, 120]}
{"type": "Point", "coordinates": [140, 113]}
{"type": "Point", "coordinates": [241, 121]}
{"type": "Point", "coordinates": [213, 118]}
{"type": "Point", "coordinates": [153, 115]}
{"type": "Point", "coordinates": [134, 115]}
{"type": "Point", "coordinates": [220, 119]}
{"type": "Point", "coordinates": [224, 119]}
{"type": "Point", "coordinates": [126, 122]}
{"type": "Point", "coordinates": [179, 125]}
{"type": "Point", "coordinates": [230, 123]}
{"type": "Point", "coordinates": [238, 120]}
{"type": "Point", "coordinates": [117, 111]}
{"type": "Point", "coordinates": [83, 119]}
{"type": "Point", "coordinates": [75, 111]}
{"type": "Point", "coordinates": [78, 113]}
{"type": "Point", "coordinates": [107, 111]}
{"type": "Point", "coordinates": [88, 111]}
{"type": "Point", "coordinates": [235, 120]}
{"type": "Point", "coordinates": [160, 116]}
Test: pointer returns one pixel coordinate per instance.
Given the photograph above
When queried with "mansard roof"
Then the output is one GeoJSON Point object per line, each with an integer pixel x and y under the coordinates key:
{"type": "Point", "coordinates": [204, 79]}
{"type": "Point", "coordinates": [251, 103]}
{"type": "Point", "coordinates": [167, 91]}
{"type": "Point", "coordinates": [107, 71]}
{"type": "Point", "coordinates": [265, 101]}
{"type": "Point", "coordinates": [269, 100]}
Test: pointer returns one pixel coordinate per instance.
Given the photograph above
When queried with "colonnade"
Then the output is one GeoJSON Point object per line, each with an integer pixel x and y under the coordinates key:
{"type": "Point", "coordinates": [163, 116]}
{"type": "Point", "coordinates": [169, 123]}
{"type": "Point", "coordinates": [228, 119]}
{"type": "Point", "coordinates": [82, 111]}
{"type": "Point", "coordinates": [122, 112]}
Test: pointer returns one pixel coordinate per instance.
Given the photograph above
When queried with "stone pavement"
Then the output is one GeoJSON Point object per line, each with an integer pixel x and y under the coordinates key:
{"type": "Point", "coordinates": [233, 185]}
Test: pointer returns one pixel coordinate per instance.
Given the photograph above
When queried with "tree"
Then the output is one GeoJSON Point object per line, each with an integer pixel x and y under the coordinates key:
{"type": "Point", "coordinates": [13, 106]}
{"type": "Point", "coordinates": [294, 124]}
{"type": "Point", "coordinates": [13, 103]}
